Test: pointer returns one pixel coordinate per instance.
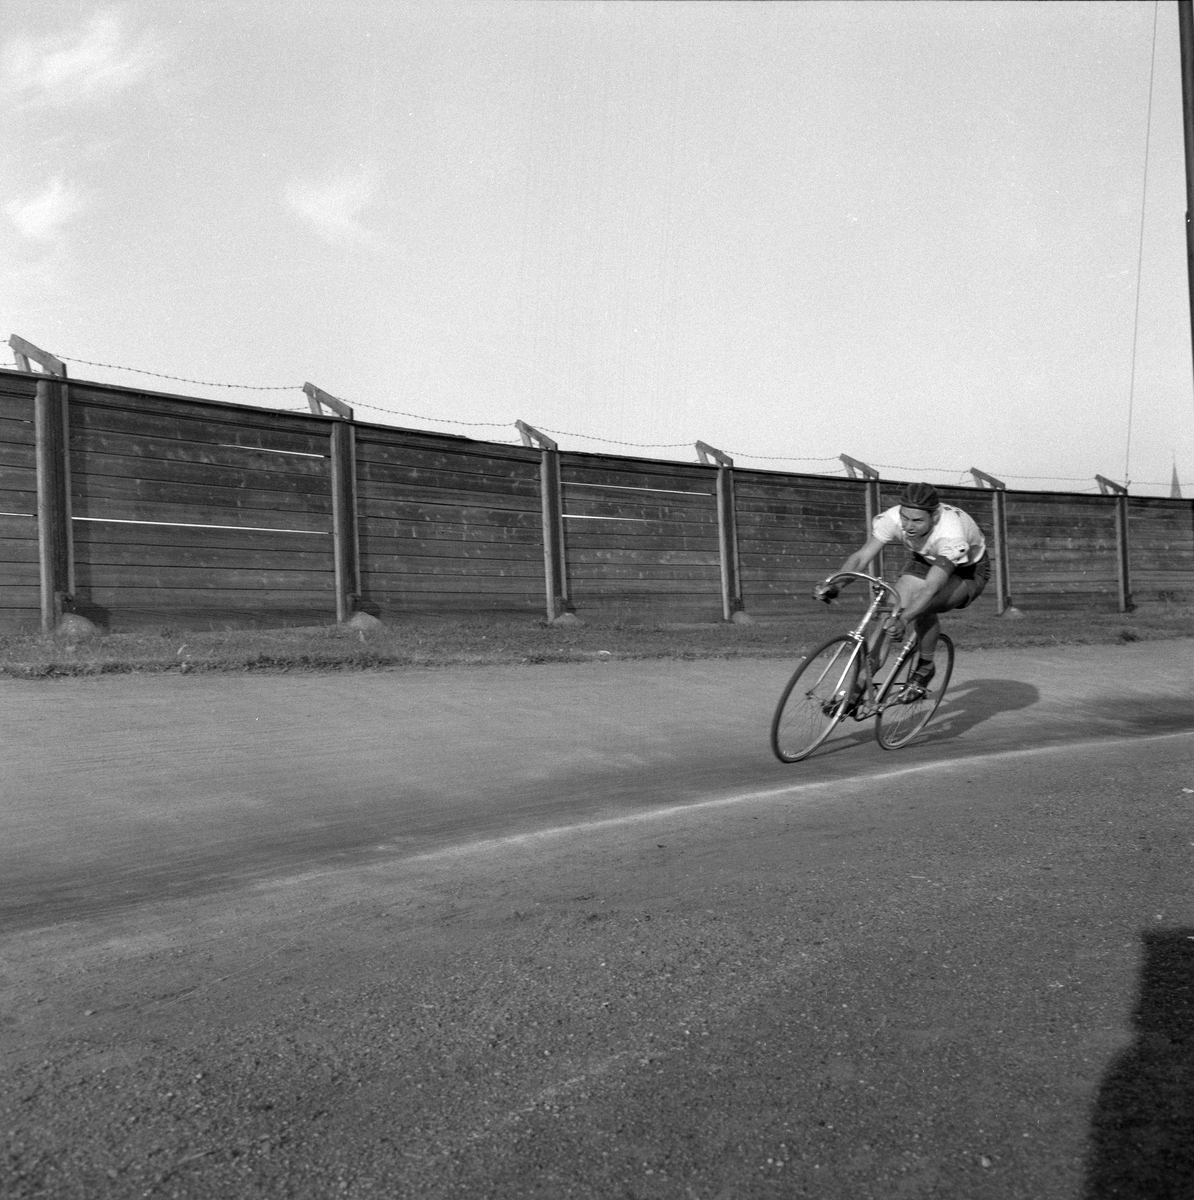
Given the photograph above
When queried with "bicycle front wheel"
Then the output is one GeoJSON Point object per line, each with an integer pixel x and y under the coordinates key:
{"type": "Point", "coordinates": [904, 708]}
{"type": "Point", "coordinates": [815, 699]}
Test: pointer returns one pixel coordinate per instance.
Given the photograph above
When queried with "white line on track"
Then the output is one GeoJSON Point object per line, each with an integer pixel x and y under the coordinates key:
{"type": "Point", "coordinates": [493, 845]}
{"type": "Point", "coordinates": [777, 793]}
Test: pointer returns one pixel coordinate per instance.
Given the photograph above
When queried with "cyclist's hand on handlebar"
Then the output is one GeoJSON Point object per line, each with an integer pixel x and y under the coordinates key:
{"type": "Point", "coordinates": [897, 627]}
{"type": "Point", "coordinates": [825, 592]}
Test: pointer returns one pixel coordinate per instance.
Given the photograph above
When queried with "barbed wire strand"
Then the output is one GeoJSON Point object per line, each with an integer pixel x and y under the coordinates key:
{"type": "Point", "coordinates": [246, 387]}
{"type": "Point", "coordinates": [779, 457]}
{"type": "Point", "coordinates": [953, 471]}
{"type": "Point", "coordinates": [296, 387]}
{"type": "Point", "coordinates": [590, 437]}
{"type": "Point", "coordinates": [420, 417]}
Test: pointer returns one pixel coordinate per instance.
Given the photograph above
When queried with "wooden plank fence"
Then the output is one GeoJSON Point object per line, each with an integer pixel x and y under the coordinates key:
{"type": "Point", "coordinates": [793, 531]}
{"type": "Point", "coordinates": [447, 524]}
{"type": "Point", "coordinates": [197, 511]}
{"type": "Point", "coordinates": [1062, 550]}
{"type": "Point", "coordinates": [641, 537]}
{"type": "Point", "coordinates": [160, 509]}
{"type": "Point", "coordinates": [20, 590]}
{"type": "Point", "coordinates": [1161, 548]}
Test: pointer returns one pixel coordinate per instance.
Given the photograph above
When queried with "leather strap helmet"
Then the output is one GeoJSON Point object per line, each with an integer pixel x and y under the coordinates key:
{"type": "Point", "coordinates": [920, 495]}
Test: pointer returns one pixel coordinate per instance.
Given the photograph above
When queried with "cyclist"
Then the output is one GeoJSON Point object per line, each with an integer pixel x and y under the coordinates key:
{"type": "Point", "coordinates": [947, 566]}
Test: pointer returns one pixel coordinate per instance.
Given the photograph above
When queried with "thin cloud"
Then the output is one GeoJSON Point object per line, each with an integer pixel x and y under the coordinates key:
{"type": "Point", "coordinates": [333, 208]}
{"type": "Point", "coordinates": [99, 60]}
{"type": "Point", "coordinates": [41, 217]}
{"type": "Point", "coordinates": [34, 284]}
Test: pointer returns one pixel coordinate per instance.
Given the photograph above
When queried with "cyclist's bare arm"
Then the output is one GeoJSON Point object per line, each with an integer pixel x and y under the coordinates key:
{"type": "Point", "coordinates": [934, 581]}
{"type": "Point", "coordinates": [860, 560]}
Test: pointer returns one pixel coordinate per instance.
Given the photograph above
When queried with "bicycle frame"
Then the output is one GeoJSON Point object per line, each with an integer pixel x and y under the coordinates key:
{"type": "Point", "coordinates": [884, 599]}
{"type": "Point", "coordinates": [831, 683]}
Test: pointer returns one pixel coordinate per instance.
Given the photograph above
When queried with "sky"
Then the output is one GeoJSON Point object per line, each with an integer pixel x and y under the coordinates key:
{"type": "Point", "coordinates": [920, 234]}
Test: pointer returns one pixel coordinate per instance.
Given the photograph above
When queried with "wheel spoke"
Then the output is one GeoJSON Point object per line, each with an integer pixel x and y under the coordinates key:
{"type": "Point", "coordinates": [814, 700]}
{"type": "Point", "coordinates": [904, 708]}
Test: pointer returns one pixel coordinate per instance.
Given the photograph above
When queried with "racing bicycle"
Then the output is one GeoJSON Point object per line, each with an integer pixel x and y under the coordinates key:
{"type": "Point", "coordinates": [860, 674]}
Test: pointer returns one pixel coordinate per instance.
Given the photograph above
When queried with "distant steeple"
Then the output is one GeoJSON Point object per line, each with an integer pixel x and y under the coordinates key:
{"type": "Point", "coordinates": [1175, 488]}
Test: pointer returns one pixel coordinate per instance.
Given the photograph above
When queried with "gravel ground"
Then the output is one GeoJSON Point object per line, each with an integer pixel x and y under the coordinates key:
{"type": "Point", "coordinates": [918, 977]}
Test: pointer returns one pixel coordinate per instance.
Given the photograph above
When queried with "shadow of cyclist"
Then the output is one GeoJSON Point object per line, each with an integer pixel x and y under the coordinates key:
{"type": "Point", "coordinates": [1142, 1131]}
{"type": "Point", "coordinates": [977, 700]}
{"type": "Point", "coordinates": [965, 706]}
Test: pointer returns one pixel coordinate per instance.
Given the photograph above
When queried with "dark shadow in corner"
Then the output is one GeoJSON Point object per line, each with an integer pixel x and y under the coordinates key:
{"type": "Point", "coordinates": [102, 617]}
{"type": "Point", "coordinates": [1142, 1131]}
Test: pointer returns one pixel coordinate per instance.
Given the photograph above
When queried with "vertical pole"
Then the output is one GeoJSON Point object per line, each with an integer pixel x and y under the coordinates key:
{"type": "Point", "coordinates": [998, 547]}
{"type": "Point", "coordinates": [55, 556]}
{"type": "Point", "coordinates": [1122, 552]}
{"type": "Point", "coordinates": [727, 533]}
{"type": "Point", "coordinates": [856, 469]}
{"type": "Point", "coordinates": [551, 496]}
{"type": "Point", "coordinates": [1185, 22]}
{"type": "Point", "coordinates": [872, 502]}
{"type": "Point", "coordinates": [555, 570]}
{"type": "Point", "coordinates": [68, 526]}
{"type": "Point", "coordinates": [1003, 599]}
{"type": "Point", "coordinates": [727, 544]}
{"type": "Point", "coordinates": [345, 540]}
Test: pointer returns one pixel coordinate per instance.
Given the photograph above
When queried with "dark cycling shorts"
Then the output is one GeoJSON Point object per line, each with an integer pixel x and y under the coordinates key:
{"type": "Point", "coordinates": [963, 586]}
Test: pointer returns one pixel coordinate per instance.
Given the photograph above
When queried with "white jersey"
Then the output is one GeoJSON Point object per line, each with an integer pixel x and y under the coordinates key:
{"type": "Point", "coordinates": [954, 535]}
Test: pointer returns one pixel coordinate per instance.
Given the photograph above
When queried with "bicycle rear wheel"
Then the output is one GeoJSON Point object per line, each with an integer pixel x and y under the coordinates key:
{"type": "Point", "coordinates": [904, 708]}
{"type": "Point", "coordinates": [815, 699]}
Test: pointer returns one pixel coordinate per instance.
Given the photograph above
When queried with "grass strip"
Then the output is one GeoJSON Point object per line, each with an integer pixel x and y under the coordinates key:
{"type": "Point", "coordinates": [429, 642]}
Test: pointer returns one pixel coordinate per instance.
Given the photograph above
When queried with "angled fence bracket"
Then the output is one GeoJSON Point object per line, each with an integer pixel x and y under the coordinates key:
{"type": "Point", "coordinates": [551, 493]}
{"type": "Point", "coordinates": [983, 480]}
{"type": "Point", "coordinates": [318, 400]}
{"type": "Point", "coordinates": [711, 457]}
{"type": "Point", "coordinates": [532, 437]}
{"type": "Point", "coordinates": [51, 423]}
{"type": "Point", "coordinates": [24, 351]}
{"type": "Point", "coordinates": [727, 532]}
{"type": "Point", "coordinates": [857, 469]}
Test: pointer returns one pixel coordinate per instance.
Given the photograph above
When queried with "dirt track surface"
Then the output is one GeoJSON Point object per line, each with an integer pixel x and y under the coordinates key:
{"type": "Point", "coordinates": [571, 931]}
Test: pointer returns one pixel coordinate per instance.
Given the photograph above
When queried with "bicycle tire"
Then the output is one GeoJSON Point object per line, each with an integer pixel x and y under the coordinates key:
{"type": "Point", "coordinates": [806, 714]}
{"type": "Point", "coordinates": [898, 721]}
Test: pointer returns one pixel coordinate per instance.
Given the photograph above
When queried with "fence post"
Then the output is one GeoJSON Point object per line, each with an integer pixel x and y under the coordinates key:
{"type": "Point", "coordinates": [1122, 548]}
{"type": "Point", "coordinates": [346, 548]}
{"type": "Point", "coordinates": [732, 608]}
{"type": "Point", "coordinates": [856, 469]}
{"type": "Point", "coordinates": [1126, 603]}
{"type": "Point", "coordinates": [345, 537]}
{"type": "Point", "coordinates": [1003, 597]}
{"type": "Point", "coordinates": [51, 423]}
{"type": "Point", "coordinates": [555, 563]}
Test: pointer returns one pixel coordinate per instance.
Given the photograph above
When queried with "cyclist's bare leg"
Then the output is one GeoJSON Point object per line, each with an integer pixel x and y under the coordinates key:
{"type": "Point", "coordinates": [928, 627]}
{"type": "Point", "coordinates": [911, 588]}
